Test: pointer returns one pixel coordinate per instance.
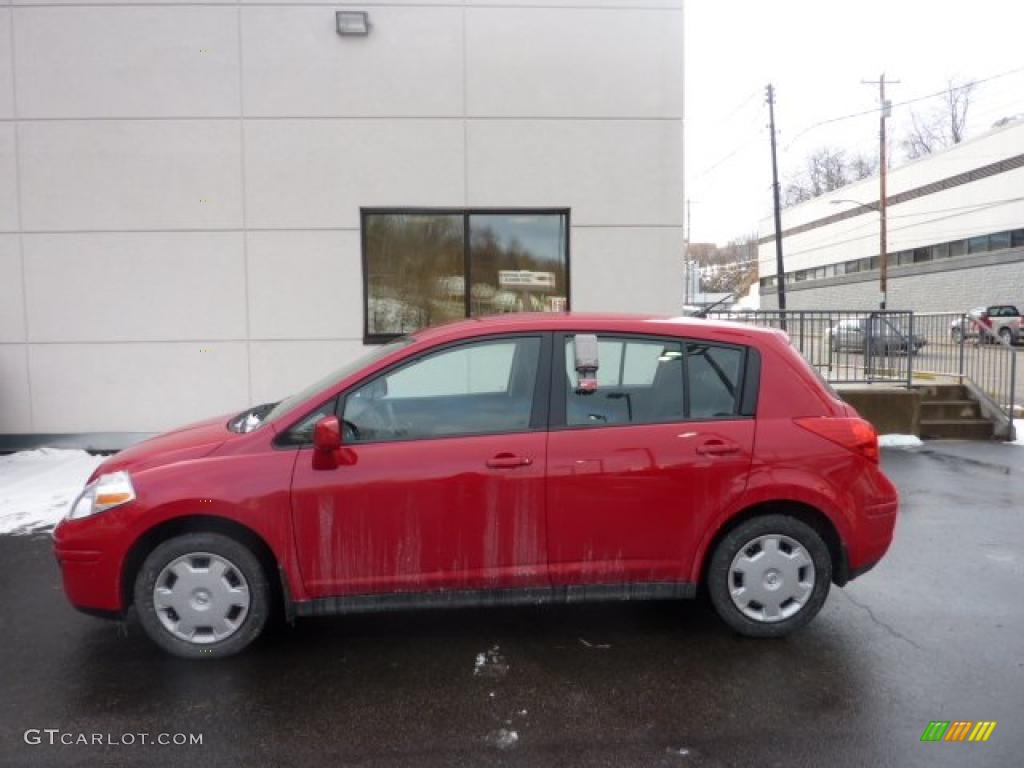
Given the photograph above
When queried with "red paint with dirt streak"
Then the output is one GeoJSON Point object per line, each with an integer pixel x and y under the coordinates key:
{"type": "Point", "coordinates": [630, 503]}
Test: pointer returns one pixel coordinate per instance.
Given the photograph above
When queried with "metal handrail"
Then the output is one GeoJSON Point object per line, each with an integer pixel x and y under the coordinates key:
{"type": "Point", "coordinates": [897, 346]}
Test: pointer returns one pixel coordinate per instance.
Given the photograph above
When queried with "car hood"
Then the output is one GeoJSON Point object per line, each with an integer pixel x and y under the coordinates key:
{"type": "Point", "coordinates": [189, 442]}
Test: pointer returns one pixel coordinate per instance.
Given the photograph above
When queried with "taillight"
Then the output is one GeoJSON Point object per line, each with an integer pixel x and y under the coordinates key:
{"type": "Point", "coordinates": [856, 435]}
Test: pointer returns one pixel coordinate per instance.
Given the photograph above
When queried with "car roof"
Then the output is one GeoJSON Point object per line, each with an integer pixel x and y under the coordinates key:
{"type": "Point", "coordinates": [606, 322]}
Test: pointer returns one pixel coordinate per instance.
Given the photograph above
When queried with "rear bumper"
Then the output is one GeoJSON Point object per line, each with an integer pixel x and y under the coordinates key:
{"type": "Point", "coordinates": [876, 525]}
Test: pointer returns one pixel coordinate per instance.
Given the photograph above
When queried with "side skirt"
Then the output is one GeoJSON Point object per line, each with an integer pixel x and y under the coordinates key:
{"type": "Point", "coordinates": [476, 598]}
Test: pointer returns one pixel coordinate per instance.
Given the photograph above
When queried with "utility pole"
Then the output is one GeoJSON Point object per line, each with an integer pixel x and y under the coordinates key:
{"type": "Point", "coordinates": [885, 110]}
{"type": "Point", "coordinates": [780, 270]}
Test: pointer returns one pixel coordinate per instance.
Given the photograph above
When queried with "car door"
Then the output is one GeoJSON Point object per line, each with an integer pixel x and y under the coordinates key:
{"type": "Point", "coordinates": [443, 484]}
{"type": "Point", "coordinates": [637, 469]}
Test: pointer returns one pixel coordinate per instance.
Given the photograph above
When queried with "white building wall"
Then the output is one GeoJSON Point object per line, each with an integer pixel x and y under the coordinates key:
{"type": "Point", "coordinates": [978, 207]}
{"type": "Point", "coordinates": [180, 183]}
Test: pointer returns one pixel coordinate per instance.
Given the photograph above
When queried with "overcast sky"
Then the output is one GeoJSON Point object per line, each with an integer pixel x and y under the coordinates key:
{"type": "Point", "coordinates": [816, 54]}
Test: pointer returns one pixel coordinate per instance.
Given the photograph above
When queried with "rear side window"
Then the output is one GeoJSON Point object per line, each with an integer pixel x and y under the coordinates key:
{"type": "Point", "coordinates": [652, 381]}
{"type": "Point", "coordinates": [640, 381]}
{"type": "Point", "coordinates": [714, 379]}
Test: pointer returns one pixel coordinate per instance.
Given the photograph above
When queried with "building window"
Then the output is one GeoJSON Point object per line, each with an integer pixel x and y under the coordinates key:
{"type": "Point", "coordinates": [940, 251]}
{"type": "Point", "coordinates": [958, 248]}
{"type": "Point", "coordinates": [1017, 238]}
{"type": "Point", "coordinates": [922, 254]}
{"type": "Point", "coordinates": [417, 266]}
{"type": "Point", "coordinates": [977, 244]}
{"type": "Point", "coordinates": [998, 241]}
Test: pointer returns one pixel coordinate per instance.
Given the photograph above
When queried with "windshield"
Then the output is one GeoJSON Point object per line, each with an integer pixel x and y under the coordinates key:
{"type": "Point", "coordinates": [334, 377]}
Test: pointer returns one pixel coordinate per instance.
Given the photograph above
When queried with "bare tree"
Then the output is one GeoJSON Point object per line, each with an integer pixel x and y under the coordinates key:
{"type": "Point", "coordinates": [942, 127]}
{"type": "Point", "coordinates": [825, 170]}
{"type": "Point", "coordinates": [729, 268]}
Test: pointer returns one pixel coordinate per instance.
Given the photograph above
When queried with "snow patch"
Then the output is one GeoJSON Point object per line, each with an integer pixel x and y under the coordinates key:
{"type": "Point", "coordinates": [503, 738]}
{"type": "Point", "coordinates": [37, 487]}
{"type": "Point", "coordinates": [1018, 427]}
{"type": "Point", "coordinates": [490, 663]}
{"type": "Point", "coordinates": [899, 441]}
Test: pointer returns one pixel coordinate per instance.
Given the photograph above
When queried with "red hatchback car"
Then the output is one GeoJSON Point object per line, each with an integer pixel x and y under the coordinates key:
{"type": "Point", "coordinates": [519, 459]}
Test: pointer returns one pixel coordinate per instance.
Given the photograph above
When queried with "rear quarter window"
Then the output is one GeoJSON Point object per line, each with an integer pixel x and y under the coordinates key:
{"type": "Point", "coordinates": [714, 379]}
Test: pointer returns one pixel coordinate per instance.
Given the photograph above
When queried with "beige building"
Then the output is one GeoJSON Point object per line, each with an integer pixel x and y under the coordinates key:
{"type": "Point", "coordinates": [207, 205]}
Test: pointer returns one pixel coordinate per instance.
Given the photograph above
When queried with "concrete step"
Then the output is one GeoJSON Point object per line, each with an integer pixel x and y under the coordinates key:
{"type": "Point", "coordinates": [950, 409]}
{"type": "Point", "coordinates": [956, 429]}
{"type": "Point", "coordinates": [933, 392]}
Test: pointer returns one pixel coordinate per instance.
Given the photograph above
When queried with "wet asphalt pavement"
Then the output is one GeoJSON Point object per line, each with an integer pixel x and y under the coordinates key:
{"type": "Point", "coordinates": [935, 632]}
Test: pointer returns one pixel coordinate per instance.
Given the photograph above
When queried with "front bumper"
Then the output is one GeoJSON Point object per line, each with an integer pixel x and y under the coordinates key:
{"type": "Point", "coordinates": [90, 574]}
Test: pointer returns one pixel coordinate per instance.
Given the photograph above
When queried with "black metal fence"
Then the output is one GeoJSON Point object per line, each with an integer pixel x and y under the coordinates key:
{"type": "Point", "coordinates": [848, 347]}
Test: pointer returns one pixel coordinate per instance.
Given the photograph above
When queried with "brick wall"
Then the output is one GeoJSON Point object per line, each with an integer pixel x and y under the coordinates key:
{"type": "Point", "coordinates": [933, 290]}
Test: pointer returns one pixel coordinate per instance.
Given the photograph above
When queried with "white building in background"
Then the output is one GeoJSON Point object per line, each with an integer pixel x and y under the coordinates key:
{"type": "Point", "coordinates": [205, 206]}
{"type": "Point", "coordinates": [955, 235]}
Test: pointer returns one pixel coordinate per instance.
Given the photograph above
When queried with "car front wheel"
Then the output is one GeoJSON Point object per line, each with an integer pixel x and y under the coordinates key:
{"type": "Point", "coordinates": [770, 576]}
{"type": "Point", "coordinates": [202, 595]}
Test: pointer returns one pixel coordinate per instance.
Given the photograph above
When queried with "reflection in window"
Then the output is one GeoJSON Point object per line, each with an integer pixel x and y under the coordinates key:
{"type": "Point", "coordinates": [414, 266]}
{"type": "Point", "coordinates": [977, 244]}
{"type": "Point", "coordinates": [517, 263]}
{"type": "Point", "coordinates": [480, 388]}
{"type": "Point", "coordinates": [638, 382]}
{"type": "Point", "coordinates": [713, 377]}
{"type": "Point", "coordinates": [998, 241]}
{"type": "Point", "coordinates": [418, 267]}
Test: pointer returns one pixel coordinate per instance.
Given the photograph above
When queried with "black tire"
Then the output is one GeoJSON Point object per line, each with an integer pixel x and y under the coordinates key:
{"type": "Point", "coordinates": [241, 557]}
{"type": "Point", "coordinates": [718, 578]}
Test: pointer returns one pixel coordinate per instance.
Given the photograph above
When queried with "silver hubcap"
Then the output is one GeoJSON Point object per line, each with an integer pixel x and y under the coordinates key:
{"type": "Point", "coordinates": [201, 598]}
{"type": "Point", "coordinates": [771, 578]}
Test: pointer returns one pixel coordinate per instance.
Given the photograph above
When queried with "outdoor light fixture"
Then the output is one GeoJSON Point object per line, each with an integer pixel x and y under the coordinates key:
{"type": "Point", "coordinates": [353, 23]}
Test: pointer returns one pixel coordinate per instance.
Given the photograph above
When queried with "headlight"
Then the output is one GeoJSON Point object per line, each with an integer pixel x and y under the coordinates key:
{"type": "Point", "coordinates": [106, 492]}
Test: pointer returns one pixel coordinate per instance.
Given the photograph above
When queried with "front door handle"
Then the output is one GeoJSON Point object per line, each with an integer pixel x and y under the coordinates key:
{"type": "Point", "coordinates": [717, 447]}
{"type": "Point", "coordinates": [508, 461]}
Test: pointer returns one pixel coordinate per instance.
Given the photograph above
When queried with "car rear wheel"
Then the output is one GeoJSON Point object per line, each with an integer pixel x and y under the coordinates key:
{"type": "Point", "coordinates": [202, 595]}
{"type": "Point", "coordinates": [770, 576]}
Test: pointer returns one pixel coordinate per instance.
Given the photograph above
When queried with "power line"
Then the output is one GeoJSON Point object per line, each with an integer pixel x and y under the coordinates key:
{"type": "Point", "coordinates": [739, 148]}
{"type": "Point", "coordinates": [739, 107]}
{"type": "Point", "coordinates": [874, 110]}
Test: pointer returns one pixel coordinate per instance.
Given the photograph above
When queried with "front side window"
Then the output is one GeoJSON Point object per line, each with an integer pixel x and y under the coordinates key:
{"type": "Point", "coordinates": [427, 268]}
{"type": "Point", "coordinates": [480, 388]}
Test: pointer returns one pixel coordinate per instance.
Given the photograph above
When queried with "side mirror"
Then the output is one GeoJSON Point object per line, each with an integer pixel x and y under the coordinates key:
{"type": "Point", "coordinates": [586, 363]}
{"type": "Point", "coordinates": [326, 443]}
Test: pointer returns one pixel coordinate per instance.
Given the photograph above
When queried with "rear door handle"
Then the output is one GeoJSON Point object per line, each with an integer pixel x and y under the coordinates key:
{"type": "Point", "coordinates": [508, 461]}
{"type": "Point", "coordinates": [716, 447]}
